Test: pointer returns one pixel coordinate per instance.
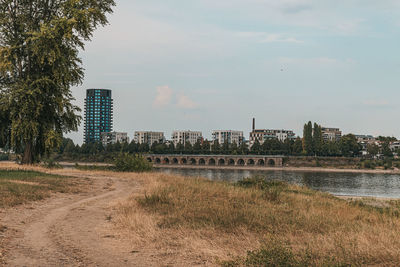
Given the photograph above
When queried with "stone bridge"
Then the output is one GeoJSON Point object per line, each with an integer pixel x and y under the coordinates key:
{"type": "Point", "coordinates": [217, 160]}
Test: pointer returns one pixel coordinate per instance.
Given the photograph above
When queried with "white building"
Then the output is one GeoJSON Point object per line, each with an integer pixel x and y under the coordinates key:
{"type": "Point", "coordinates": [395, 146]}
{"type": "Point", "coordinates": [331, 134]}
{"type": "Point", "coordinates": [113, 138]}
{"type": "Point", "coordinates": [228, 136]}
{"type": "Point", "coordinates": [184, 137]}
{"type": "Point", "coordinates": [148, 137]}
{"type": "Point", "coordinates": [265, 134]}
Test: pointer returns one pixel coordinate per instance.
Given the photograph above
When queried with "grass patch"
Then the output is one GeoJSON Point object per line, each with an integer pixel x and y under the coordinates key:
{"type": "Point", "coordinates": [21, 186]}
{"type": "Point", "coordinates": [298, 226]}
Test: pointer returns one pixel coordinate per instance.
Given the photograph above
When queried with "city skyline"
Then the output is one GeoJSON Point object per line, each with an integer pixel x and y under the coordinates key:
{"type": "Point", "coordinates": [206, 66]}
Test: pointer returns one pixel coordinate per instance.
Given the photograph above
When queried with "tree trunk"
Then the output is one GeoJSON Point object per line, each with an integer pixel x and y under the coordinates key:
{"type": "Point", "coordinates": [27, 158]}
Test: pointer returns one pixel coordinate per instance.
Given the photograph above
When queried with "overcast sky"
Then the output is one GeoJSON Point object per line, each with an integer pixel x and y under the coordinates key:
{"type": "Point", "coordinates": [215, 64]}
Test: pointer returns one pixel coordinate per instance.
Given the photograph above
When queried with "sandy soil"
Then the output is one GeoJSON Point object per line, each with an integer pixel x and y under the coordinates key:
{"type": "Point", "coordinates": [69, 229]}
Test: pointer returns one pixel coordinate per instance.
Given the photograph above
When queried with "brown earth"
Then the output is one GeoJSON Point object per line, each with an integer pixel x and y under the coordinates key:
{"type": "Point", "coordinates": [72, 229]}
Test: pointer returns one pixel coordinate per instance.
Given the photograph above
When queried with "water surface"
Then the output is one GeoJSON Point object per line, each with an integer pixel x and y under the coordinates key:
{"type": "Point", "coordinates": [344, 184]}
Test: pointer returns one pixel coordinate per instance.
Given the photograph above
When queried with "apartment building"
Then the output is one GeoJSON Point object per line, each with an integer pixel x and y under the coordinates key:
{"type": "Point", "coordinates": [149, 137]}
{"type": "Point", "coordinates": [184, 137]}
{"type": "Point", "coordinates": [108, 138]}
{"type": "Point", "coordinates": [331, 134]}
{"type": "Point", "coordinates": [228, 136]}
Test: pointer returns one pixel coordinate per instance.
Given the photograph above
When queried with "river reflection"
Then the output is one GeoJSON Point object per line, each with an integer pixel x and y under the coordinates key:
{"type": "Point", "coordinates": [349, 184]}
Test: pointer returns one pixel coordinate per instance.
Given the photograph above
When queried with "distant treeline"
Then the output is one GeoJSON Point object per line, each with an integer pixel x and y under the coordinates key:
{"type": "Point", "coordinates": [346, 147]}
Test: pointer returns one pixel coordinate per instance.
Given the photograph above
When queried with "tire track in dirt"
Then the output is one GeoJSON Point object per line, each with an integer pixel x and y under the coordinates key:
{"type": "Point", "coordinates": [70, 230]}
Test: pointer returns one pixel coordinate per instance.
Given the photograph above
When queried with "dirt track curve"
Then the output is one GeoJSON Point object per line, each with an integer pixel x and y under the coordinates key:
{"type": "Point", "coordinates": [69, 230]}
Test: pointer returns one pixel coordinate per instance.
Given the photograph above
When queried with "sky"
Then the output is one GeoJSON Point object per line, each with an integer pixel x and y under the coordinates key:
{"type": "Point", "coordinates": [214, 65]}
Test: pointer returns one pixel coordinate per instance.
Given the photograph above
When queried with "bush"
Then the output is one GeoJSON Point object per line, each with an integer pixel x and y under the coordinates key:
{"type": "Point", "coordinates": [272, 189]}
{"type": "Point", "coordinates": [50, 163]}
{"type": "Point", "coordinates": [273, 253]}
{"type": "Point", "coordinates": [3, 157]}
{"type": "Point", "coordinates": [126, 162]}
{"type": "Point", "coordinates": [368, 164]}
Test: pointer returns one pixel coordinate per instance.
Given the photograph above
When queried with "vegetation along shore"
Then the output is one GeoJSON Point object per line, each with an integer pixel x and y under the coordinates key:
{"type": "Point", "coordinates": [153, 218]}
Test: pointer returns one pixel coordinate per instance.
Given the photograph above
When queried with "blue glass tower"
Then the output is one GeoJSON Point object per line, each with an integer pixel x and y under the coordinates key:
{"type": "Point", "coordinates": [98, 114]}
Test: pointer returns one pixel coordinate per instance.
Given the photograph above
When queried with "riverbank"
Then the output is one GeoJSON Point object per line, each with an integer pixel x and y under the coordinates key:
{"type": "Point", "coordinates": [290, 169]}
{"type": "Point", "coordinates": [156, 219]}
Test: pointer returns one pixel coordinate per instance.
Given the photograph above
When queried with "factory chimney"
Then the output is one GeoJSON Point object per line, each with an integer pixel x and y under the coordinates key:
{"type": "Point", "coordinates": [254, 124]}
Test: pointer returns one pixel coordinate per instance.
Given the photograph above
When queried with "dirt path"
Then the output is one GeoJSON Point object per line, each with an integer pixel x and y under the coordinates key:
{"type": "Point", "coordinates": [69, 230]}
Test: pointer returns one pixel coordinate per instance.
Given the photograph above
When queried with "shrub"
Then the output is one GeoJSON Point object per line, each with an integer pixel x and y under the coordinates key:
{"type": "Point", "coordinates": [272, 253]}
{"type": "Point", "coordinates": [272, 189]}
{"type": "Point", "coordinates": [50, 163]}
{"type": "Point", "coordinates": [126, 162]}
{"type": "Point", "coordinates": [368, 164]}
{"type": "Point", "coordinates": [3, 157]}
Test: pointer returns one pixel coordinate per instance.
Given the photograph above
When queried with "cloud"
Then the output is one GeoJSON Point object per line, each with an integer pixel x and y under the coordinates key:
{"type": "Point", "coordinates": [163, 97]}
{"type": "Point", "coordinates": [185, 102]}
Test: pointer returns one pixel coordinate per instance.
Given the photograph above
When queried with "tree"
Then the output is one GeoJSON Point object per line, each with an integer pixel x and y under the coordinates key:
{"type": "Point", "coordinates": [197, 147]}
{"type": "Point", "coordinates": [243, 148]}
{"type": "Point", "coordinates": [372, 149]}
{"type": "Point", "coordinates": [386, 150]}
{"type": "Point", "coordinates": [256, 147]}
{"type": "Point", "coordinates": [39, 62]}
{"type": "Point", "coordinates": [317, 139]}
{"type": "Point", "coordinates": [215, 147]}
{"type": "Point", "coordinates": [349, 146]}
{"type": "Point", "coordinates": [308, 139]}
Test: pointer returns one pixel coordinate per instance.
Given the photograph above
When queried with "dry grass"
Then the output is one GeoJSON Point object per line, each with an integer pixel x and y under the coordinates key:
{"type": "Point", "coordinates": [21, 185]}
{"type": "Point", "coordinates": [213, 220]}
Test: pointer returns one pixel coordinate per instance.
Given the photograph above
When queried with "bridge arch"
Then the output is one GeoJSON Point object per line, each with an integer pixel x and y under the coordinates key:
{"type": "Point", "coordinates": [271, 162]}
{"type": "Point", "coordinates": [193, 161]}
{"type": "Point", "coordinates": [221, 162]}
{"type": "Point", "coordinates": [251, 162]}
{"type": "Point", "coordinates": [202, 161]}
{"type": "Point", "coordinates": [261, 162]}
{"type": "Point", "coordinates": [184, 161]}
{"type": "Point", "coordinates": [158, 161]}
{"type": "Point", "coordinates": [231, 162]}
{"type": "Point", "coordinates": [175, 161]}
{"type": "Point", "coordinates": [211, 162]}
{"type": "Point", "coordinates": [240, 162]}
{"type": "Point", "coordinates": [166, 161]}
{"type": "Point", "coordinates": [149, 159]}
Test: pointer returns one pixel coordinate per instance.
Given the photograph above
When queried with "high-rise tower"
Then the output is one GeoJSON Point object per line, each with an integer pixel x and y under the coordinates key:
{"type": "Point", "coordinates": [98, 114]}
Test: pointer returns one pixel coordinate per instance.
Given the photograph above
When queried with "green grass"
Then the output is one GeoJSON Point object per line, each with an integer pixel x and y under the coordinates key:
{"type": "Point", "coordinates": [19, 187]}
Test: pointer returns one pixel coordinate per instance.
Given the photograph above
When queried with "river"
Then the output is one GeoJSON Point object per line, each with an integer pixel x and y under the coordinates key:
{"type": "Point", "coordinates": [340, 184]}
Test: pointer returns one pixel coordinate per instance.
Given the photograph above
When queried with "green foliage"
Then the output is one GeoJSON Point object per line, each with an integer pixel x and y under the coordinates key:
{"type": "Point", "coordinates": [126, 162]}
{"type": "Point", "coordinates": [368, 164]}
{"type": "Point", "coordinates": [50, 163]}
{"type": "Point", "coordinates": [271, 189]}
{"type": "Point", "coordinates": [349, 146]}
{"type": "Point", "coordinates": [308, 139]}
{"type": "Point", "coordinates": [39, 62]}
{"type": "Point", "coordinates": [4, 157]}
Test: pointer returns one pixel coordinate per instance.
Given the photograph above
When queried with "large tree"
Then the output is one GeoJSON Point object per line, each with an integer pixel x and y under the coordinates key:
{"type": "Point", "coordinates": [308, 139]}
{"type": "Point", "coordinates": [39, 62]}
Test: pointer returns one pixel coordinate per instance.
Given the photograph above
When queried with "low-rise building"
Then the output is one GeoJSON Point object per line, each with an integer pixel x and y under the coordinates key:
{"type": "Point", "coordinates": [108, 138]}
{"type": "Point", "coordinates": [395, 146]}
{"type": "Point", "coordinates": [184, 137]}
{"type": "Point", "coordinates": [149, 137]}
{"type": "Point", "coordinates": [364, 138]}
{"type": "Point", "coordinates": [331, 134]}
{"type": "Point", "coordinates": [228, 136]}
{"type": "Point", "coordinates": [264, 134]}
